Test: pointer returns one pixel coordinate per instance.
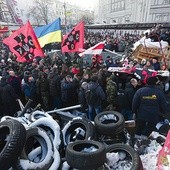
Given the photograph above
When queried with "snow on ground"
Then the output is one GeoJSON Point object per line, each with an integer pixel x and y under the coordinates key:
{"type": "Point", "coordinates": [149, 160]}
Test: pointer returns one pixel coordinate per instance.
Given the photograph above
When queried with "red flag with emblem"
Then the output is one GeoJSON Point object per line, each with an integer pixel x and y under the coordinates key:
{"type": "Point", "coordinates": [74, 41]}
{"type": "Point", "coordinates": [24, 44]}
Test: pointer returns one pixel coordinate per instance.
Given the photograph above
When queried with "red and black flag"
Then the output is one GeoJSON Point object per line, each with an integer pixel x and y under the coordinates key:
{"type": "Point", "coordinates": [24, 44]}
{"type": "Point", "coordinates": [74, 41]}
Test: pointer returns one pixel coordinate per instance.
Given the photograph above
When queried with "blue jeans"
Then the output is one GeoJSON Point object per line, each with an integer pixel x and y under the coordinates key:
{"type": "Point", "coordinates": [93, 110]}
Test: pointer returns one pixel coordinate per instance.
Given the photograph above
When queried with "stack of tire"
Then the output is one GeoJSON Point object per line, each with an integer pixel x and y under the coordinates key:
{"type": "Point", "coordinates": [87, 145]}
{"type": "Point", "coordinates": [33, 142]}
{"type": "Point", "coordinates": [110, 127]}
{"type": "Point", "coordinates": [39, 141]}
{"type": "Point", "coordinates": [94, 155]}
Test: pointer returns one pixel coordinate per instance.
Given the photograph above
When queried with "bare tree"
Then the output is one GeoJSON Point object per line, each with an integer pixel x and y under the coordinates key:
{"type": "Point", "coordinates": [40, 11]}
{"type": "Point", "coordinates": [88, 19]}
{"type": "Point", "coordinates": [35, 16]}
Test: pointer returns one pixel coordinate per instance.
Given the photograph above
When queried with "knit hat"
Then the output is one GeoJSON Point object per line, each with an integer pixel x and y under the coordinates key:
{"type": "Point", "coordinates": [152, 80]}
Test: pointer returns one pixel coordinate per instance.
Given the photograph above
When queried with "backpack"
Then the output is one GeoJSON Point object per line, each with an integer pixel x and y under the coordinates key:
{"type": "Point", "coordinates": [91, 96]}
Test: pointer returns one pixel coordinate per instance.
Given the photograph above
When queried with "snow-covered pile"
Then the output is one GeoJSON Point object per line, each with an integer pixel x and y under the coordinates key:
{"type": "Point", "coordinates": [148, 149]}
{"type": "Point", "coordinates": [49, 138]}
{"type": "Point", "coordinates": [150, 158]}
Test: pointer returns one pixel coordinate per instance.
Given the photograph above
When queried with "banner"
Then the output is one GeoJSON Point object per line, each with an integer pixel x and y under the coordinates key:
{"type": "Point", "coordinates": [74, 41]}
{"type": "Point", "coordinates": [24, 44]}
{"type": "Point", "coordinates": [96, 49]}
{"type": "Point", "coordinates": [49, 33]}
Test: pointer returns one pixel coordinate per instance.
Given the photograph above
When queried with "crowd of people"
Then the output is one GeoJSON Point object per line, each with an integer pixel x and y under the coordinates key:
{"type": "Point", "coordinates": [55, 82]}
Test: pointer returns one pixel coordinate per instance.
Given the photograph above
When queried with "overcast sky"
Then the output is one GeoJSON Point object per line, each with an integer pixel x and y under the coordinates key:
{"type": "Point", "coordinates": [87, 4]}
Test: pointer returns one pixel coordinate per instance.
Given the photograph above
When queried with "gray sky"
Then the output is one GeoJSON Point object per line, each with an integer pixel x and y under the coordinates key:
{"type": "Point", "coordinates": [87, 4]}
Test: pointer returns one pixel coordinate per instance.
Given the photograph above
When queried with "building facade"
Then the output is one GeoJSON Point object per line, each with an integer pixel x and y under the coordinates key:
{"type": "Point", "coordinates": [70, 14]}
{"type": "Point", "coordinates": [132, 11]}
{"type": "Point", "coordinates": [9, 12]}
{"type": "Point", "coordinates": [18, 12]}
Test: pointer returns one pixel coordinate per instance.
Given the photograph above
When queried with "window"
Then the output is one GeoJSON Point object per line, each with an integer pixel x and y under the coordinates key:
{"type": "Point", "coordinates": [117, 5]}
{"type": "Point", "coordinates": [166, 2]}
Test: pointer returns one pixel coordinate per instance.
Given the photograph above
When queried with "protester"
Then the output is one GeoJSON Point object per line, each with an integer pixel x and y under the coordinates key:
{"type": "Point", "coordinates": [86, 77]}
{"type": "Point", "coordinates": [42, 86]}
{"type": "Point", "coordinates": [69, 95]}
{"type": "Point", "coordinates": [111, 94]}
{"type": "Point", "coordinates": [147, 72]}
{"type": "Point", "coordinates": [54, 88]}
{"type": "Point", "coordinates": [29, 89]}
{"type": "Point", "coordinates": [129, 93]}
{"type": "Point", "coordinates": [148, 105]}
{"type": "Point", "coordinates": [95, 97]}
{"type": "Point", "coordinates": [59, 67]}
{"type": "Point", "coordinates": [155, 63]}
{"type": "Point", "coordinates": [15, 82]}
{"type": "Point", "coordinates": [8, 98]}
{"type": "Point", "coordinates": [82, 97]}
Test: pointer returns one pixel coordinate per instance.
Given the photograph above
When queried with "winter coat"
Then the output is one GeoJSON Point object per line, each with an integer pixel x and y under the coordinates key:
{"type": "Point", "coordinates": [15, 83]}
{"type": "Point", "coordinates": [82, 99]}
{"type": "Point", "coordinates": [100, 95]}
{"type": "Point", "coordinates": [54, 85]}
{"type": "Point", "coordinates": [102, 79]}
{"type": "Point", "coordinates": [29, 90]}
{"type": "Point", "coordinates": [43, 87]}
{"type": "Point", "coordinates": [68, 92]}
{"type": "Point", "coordinates": [111, 92]}
{"type": "Point", "coordinates": [7, 99]}
{"type": "Point", "coordinates": [156, 66]}
{"type": "Point", "coordinates": [148, 103]}
{"type": "Point", "coordinates": [129, 93]}
{"type": "Point", "coordinates": [7, 93]}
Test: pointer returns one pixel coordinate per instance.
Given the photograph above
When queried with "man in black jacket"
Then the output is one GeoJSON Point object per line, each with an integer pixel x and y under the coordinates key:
{"type": "Point", "coordinates": [8, 98]}
{"type": "Point", "coordinates": [127, 99]}
{"type": "Point", "coordinates": [69, 95]}
{"type": "Point", "coordinates": [54, 88]}
{"type": "Point", "coordinates": [148, 104]}
{"type": "Point", "coordinates": [95, 105]}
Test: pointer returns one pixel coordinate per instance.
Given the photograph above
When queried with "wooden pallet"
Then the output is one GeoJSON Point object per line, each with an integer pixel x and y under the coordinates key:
{"type": "Point", "coordinates": [142, 52]}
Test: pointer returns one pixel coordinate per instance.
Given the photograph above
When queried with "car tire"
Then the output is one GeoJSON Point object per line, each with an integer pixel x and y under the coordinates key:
{"type": "Point", "coordinates": [84, 126]}
{"type": "Point", "coordinates": [42, 140]}
{"type": "Point", "coordinates": [77, 156]}
{"type": "Point", "coordinates": [130, 153]}
{"type": "Point", "coordinates": [109, 123]}
{"type": "Point", "coordinates": [37, 115]}
{"type": "Point", "coordinates": [50, 126]}
{"type": "Point", "coordinates": [12, 141]}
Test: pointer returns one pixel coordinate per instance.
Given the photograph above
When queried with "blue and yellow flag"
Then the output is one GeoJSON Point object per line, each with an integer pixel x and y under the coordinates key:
{"type": "Point", "coordinates": [49, 33]}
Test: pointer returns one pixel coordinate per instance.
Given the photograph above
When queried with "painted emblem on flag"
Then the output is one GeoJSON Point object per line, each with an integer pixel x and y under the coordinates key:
{"type": "Point", "coordinates": [25, 45]}
{"type": "Point", "coordinates": [72, 38]}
